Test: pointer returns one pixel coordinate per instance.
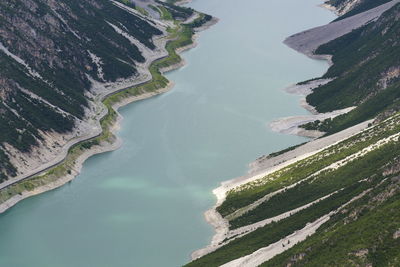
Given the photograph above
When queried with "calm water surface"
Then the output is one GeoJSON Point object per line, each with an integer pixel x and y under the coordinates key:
{"type": "Point", "coordinates": [143, 204]}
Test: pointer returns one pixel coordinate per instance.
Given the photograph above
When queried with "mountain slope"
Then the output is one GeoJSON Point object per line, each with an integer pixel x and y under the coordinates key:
{"type": "Point", "coordinates": [54, 157]}
{"type": "Point", "coordinates": [366, 74]}
{"type": "Point", "coordinates": [50, 51]}
{"type": "Point", "coordinates": [272, 210]}
{"type": "Point", "coordinates": [322, 207]}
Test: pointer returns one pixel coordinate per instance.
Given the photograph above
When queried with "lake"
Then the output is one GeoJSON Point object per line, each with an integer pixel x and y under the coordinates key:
{"type": "Point", "coordinates": [143, 204]}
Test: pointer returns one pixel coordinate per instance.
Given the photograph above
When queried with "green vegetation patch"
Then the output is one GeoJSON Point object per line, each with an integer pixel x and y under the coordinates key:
{"type": "Point", "coordinates": [321, 185]}
{"type": "Point", "coordinates": [375, 172]}
{"type": "Point", "coordinates": [364, 234]}
{"type": "Point", "coordinates": [248, 193]}
{"type": "Point", "coordinates": [386, 100]}
{"type": "Point", "coordinates": [364, 62]}
{"type": "Point", "coordinates": [177, 12]}
{"type": "Point", "coordinates": [275, 231]}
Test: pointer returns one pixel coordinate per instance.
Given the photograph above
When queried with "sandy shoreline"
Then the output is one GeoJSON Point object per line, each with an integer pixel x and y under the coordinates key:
{"type": "Point", "coordinates": [105, 147]}
{"type": "Point", "coordinates": [291, 125]}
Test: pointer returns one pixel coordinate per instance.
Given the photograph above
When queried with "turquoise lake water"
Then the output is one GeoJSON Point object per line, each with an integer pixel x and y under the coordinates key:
{"type": "Point", "coordinates": [143, 204]}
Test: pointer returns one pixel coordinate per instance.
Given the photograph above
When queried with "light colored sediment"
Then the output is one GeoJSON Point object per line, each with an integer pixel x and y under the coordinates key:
{"type": "Point", "coordinates": [99, 92]}
{"type": "Point", "coordinates": [31, 71]}
{"type": "Point", "coordinates": [250, 228]}
{"type": "Point", "coordinates": [307, 149]}
{"type": "Point", "coordinates": [239, 232]}
{"type": "Point", "coordinates": [308, 41]}
{"type": "Point", "coordinates": [266, 253]}
{"type": "Point", "coordinates": [290, 125]}
{"type": "Point", "coordinates": [265, 198]}
{"type": "Point", "coordinates": [306, 89]}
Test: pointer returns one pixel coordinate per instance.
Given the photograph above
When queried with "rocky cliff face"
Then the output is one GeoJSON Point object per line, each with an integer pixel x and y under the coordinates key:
{"type": "Point", "coordinates": [51, 53]}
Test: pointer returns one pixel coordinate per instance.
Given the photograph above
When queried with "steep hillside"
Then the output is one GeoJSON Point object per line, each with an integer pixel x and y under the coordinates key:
{"type": "Point", "coordinates": [334, 204]}
{"type": "Point", "coordinates": [115, 53]}
{"type": "Point", "coordinates": [332, 192]}
{"type": "Point", "coordinates": [51, 51]}
{"type": "Point", "coordinates": [366, 74]}
{"type": "Point", "coordinates": [378, 245]}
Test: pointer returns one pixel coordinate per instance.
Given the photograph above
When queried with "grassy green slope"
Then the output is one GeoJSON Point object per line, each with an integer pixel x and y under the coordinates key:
{"type": "Point", "coordinates": [364, 234]}
{"type": "Point", "coordinates": [248, 193]}
{"type": "Point", "coordinates": [349, 180]}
